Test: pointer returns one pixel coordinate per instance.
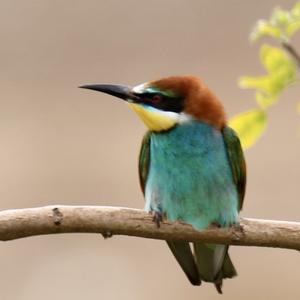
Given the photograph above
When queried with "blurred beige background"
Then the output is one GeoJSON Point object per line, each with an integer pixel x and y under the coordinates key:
{"type": "Point", "coordinates": [63, 145]}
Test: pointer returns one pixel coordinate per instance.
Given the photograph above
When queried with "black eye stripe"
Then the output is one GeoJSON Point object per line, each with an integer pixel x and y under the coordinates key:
{"type": "Point", "coordinates": [162, 102]}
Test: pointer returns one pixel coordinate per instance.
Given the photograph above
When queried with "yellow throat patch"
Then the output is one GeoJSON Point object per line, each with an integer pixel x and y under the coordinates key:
{"type": "Point", "coordinates": [155, 119]}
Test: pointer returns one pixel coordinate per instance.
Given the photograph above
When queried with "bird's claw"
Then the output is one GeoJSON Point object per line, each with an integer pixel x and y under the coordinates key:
{"type": "Point", "coordinates": [107, 234]}
{"type": "Point", "coordinates": [215, 225]}
{"type": "Point", "coordinates": [157, 218]}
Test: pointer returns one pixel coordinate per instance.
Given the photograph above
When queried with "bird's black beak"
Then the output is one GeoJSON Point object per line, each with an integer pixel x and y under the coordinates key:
{"type": "Point", "coordinates": [121, 91]}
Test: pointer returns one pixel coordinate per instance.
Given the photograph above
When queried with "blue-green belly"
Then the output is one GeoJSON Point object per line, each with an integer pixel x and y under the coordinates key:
{"type": "Point", "coordinates": [190, 178]}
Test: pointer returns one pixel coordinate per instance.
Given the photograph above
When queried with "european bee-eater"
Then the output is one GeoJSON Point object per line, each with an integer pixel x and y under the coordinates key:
{"type": "Point", "coordinates": [191, 166]}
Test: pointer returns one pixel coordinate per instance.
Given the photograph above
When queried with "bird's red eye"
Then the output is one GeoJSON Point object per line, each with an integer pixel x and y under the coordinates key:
{"type": "Point", "coordinates": [156, 99]}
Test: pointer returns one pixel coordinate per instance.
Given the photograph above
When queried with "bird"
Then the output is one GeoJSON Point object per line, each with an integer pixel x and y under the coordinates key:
{"type": "Point", "coordinates": [191, 166]}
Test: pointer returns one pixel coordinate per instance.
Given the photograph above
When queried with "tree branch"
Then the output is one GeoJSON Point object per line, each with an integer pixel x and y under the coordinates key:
{"type": "Point", "coordinates": [108, 221]}
{"type": "Point", "coordinates": [292, 51]}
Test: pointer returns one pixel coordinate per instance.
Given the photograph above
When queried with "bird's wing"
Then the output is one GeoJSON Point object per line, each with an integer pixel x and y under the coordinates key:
{"type": "Point", "coordinates": [214, 263]}
{"type": "Point", "coordinates": [144, 160]}
{"type": "Point", "coordinates": [237, 161]}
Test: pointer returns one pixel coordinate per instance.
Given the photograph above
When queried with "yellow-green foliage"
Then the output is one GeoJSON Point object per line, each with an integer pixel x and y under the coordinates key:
{"type": "Point", "coordinates": [249, 125]}
{"type": "Point", "coordinates": [280, 73]}
{"type": "Point", "coordinates": [282, 25]}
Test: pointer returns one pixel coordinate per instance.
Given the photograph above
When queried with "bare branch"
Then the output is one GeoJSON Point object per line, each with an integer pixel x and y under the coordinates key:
{"type": "Point", "coordinates": [20, 223]}
{"type": "Point", "coordinates": [292, 51]}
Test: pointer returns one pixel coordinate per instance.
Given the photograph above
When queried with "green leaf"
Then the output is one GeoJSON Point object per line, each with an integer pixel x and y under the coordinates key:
{"type": "Point", "coordinates": [264, 28]}
{"type": "Point", "coordinates": [295, 12]}
{"type": "Point", "coordinates": [280, 17]}
{"type": "Point", "coordinates": [274, 58]}
{"type": "Point", "coordinates": [292, 28]}
{"type": "Point", "coordinates": [249, 125]}
{"type": "Point", "coordinates": [281, 73]}
{"type": "Point", "coordinates": [261, 83]}
{"type": "Point", "coordinates": [282, 78]}
{"type": "Point", "coordinates": [265, 100]}
{"type": "Point", "coordinates": [298, 108]}
{"type": "Point", "coordinates": [270, 85]}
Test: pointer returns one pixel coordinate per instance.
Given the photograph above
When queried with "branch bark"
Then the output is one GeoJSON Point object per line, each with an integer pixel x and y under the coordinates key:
{"type": "Point", "coordinates": [108, 221]}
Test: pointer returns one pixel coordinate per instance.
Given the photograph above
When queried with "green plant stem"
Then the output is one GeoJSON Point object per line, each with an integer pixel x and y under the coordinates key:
{"type": "Point", "coordinates": [292, 51]}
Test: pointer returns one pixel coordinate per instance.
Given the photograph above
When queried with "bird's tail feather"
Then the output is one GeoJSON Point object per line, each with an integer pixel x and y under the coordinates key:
{"type": "Point", "coordinates": [214, 263]}
{"type": "Point", "coordinates": [184, 256]}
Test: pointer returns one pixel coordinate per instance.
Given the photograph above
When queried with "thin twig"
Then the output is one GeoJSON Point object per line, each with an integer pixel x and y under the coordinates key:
{"type": "Point", "coordinates": [108, 221]}
{"type": "Point", "coordinates": [292, 51]}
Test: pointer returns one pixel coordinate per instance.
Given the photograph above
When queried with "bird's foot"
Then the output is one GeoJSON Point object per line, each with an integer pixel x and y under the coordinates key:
{"type": "Point", "coordinates": [215, 225]}
{"type": "Point", "coordinates": [157, 218]}
{"type": "Point", "coordinates": [107, 234]}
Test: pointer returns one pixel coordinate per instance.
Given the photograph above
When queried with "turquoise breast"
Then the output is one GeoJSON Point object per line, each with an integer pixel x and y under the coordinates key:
{"type": "Point", "coordinates": [190, 178]}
